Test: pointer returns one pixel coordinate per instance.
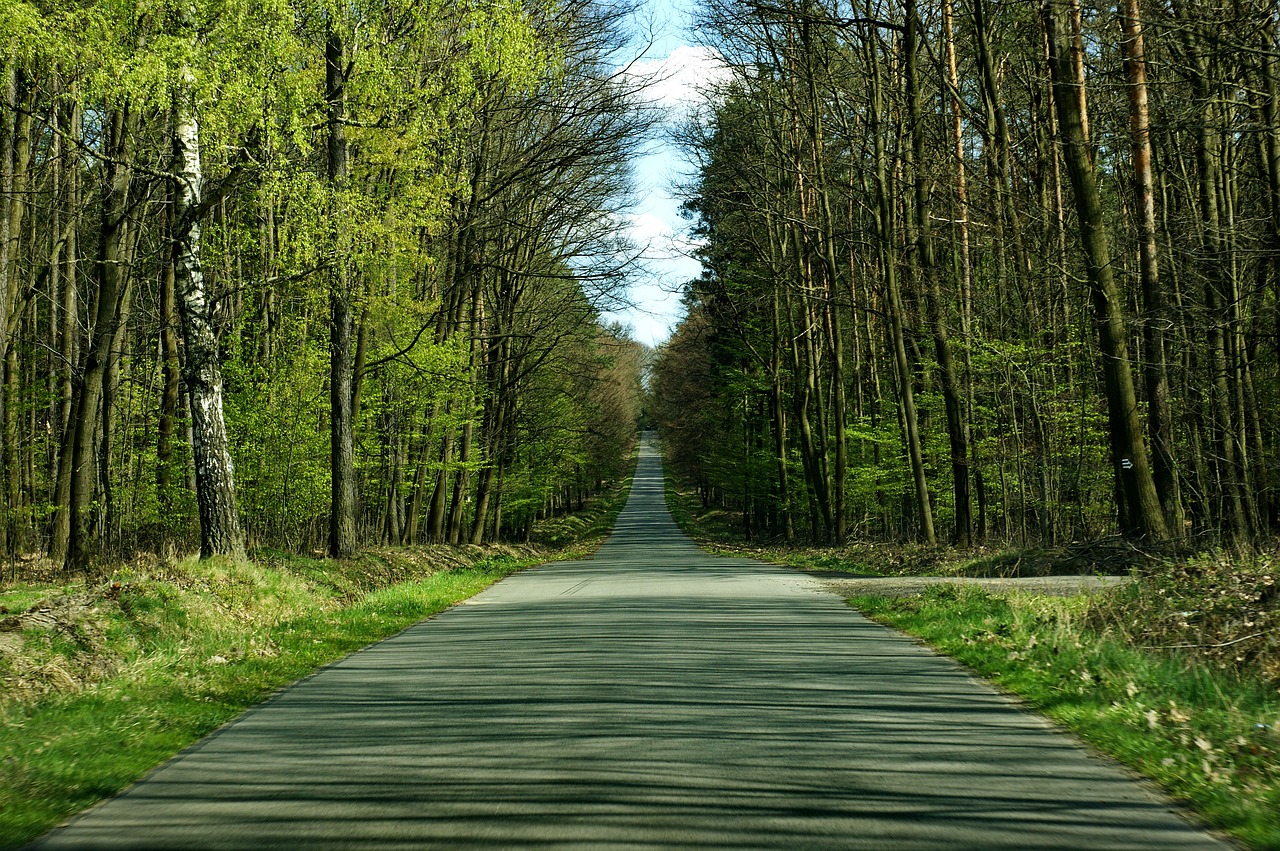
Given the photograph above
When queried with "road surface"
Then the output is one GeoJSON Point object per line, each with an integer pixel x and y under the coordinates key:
{"type": "Point", "coordinates": [653, 697]}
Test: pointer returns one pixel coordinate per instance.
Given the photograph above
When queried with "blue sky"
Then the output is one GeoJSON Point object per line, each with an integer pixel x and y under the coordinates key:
{"type": "Point", "coordinates": [655, 222]}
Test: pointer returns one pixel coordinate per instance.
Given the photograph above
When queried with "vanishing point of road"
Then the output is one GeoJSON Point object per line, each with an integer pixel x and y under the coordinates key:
{"type": "Point", "coordinates": [652, 697]}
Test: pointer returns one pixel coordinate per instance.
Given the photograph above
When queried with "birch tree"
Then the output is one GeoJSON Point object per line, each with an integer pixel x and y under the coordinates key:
{"type": "Point", "coordinates": [220, 532]}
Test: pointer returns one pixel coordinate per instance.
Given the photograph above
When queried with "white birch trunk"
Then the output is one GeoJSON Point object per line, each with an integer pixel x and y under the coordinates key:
{"type": "Point", "coordinates": [220, 532]}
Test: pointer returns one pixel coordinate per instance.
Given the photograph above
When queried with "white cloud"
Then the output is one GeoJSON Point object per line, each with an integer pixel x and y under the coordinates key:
{"type": "Point", "coordinates": [677, 81]}
{"type": "Point", "coordinates": [655, 297]}
{"type": "Point", "coordinates": [647, 228]}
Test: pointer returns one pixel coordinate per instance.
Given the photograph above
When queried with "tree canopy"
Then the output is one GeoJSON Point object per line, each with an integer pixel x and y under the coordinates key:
{"type": "Point", "coordinates": [304, 273]}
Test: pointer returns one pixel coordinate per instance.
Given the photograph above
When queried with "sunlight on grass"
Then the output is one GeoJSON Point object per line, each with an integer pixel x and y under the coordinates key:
{"type": "Point", "coordinates": [1209, 737]}
{"type": "Point", "coordinates": [182, 653]}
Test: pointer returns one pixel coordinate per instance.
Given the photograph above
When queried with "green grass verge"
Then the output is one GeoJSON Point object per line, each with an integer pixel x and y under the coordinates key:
{"type": "Point", "coordinates": [1209, 737]}
{"type": "Point", "coordinates": [189, 673]}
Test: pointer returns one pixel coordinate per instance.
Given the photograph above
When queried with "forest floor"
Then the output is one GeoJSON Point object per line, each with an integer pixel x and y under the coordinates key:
{"type": "Point", "coordinates": [1168, 663]}
{"type": "Point", "coordinates": [106, 676]}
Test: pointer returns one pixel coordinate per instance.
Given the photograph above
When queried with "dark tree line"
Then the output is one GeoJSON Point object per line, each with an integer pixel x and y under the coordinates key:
{"type": "Point", "coordinates": [985, 271]}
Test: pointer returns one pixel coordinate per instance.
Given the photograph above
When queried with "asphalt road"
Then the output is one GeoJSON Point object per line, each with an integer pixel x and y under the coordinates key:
{"type": "Point", "coordinates": [654, 697]}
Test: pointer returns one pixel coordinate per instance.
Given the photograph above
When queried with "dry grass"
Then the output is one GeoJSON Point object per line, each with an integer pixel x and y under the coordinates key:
{"type": "Point", "coordinates": [1218, 609]}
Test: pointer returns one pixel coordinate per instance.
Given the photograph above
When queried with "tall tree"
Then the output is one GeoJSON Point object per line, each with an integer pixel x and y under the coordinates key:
{"type": "Point", "coordinates": [8, 139]}
{"type": "Point", "coordinates": [957, 428]}
{"type": "Point", "coordinates": [342, 507]}
{"type": "Point", "coordinates": [1155, 319]}
{"type": "Point", "coordinates": [220, 532]}
{"type": "Point", "coordinates": [896, 305]}
{"type": "Point", "coordinates": [1142, 514]}
{"type": "Point", "coordinates": [112, 268]}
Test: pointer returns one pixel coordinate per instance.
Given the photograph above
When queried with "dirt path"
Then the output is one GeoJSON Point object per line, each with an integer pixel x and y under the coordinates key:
{"type": "Point", "coordinates": [906, 586]}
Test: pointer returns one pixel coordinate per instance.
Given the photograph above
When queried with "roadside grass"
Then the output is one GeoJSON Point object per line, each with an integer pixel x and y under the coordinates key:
{"type": "Point", "coordinates": [1176, 675]}
{"type": "Point", "coordinates": [1210, 737]}
{"type": "Point", "coordinates": [186, 664]}
{"type": "Point", "coordinates": [105, 679]}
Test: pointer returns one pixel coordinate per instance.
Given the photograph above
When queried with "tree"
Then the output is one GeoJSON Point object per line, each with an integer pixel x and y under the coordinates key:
{"type": "Point", "coordinates": [1155, 372]}
{"type": "Point", "coordinates": [342, 510]}
{"type": "Point", "coordinates": [220, 532]}
{"type": "Point", "coordinates": [833, 112]}
{"type": "Point", "coordinates": [957, 428]}
{"type": "Point", "coordinates": [154, 279]}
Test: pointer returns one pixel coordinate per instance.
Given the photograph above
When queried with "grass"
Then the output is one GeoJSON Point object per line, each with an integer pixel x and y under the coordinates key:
{"type": "Point", "coordinates": [187, 661]}
{"type": "Point", "coordinates": [1177, 675]}
{"type": "Point", "coordinates": [105, 680]}
{"type": "Point", "coordinates": [1210, 737]}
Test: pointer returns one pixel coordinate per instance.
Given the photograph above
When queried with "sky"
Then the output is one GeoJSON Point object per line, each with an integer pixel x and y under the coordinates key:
{"type": "Point", "coordinates": [655, 223]}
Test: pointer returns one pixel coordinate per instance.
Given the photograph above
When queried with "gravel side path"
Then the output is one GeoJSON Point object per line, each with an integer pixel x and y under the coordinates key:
{"type": "Point", "coordinates": [906, 586]}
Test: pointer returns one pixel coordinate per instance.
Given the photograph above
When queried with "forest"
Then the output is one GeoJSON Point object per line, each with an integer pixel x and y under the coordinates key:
{"type": "Point", "coordinates": [313, 276]}
{"type": "Point", "coordinates": [324, 291]}
{"type": "Point", "coordinates": [309, 275]}
{"type": "Point", "coordinates": [985, 272]}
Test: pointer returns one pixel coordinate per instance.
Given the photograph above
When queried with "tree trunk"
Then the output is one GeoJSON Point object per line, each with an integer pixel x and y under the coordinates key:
{"type": "Point", "coordinates": [493, 419]}
{"type": "Point", "coordinates": [462, 481]}
{"type": "Point", "coordinates": [13, 537]}
{"type": "Point", "coordinates": [342, 495]}
{"type": "Point", "coordinates": [1159, 417]}
{"type": "Point", "coordinates": [779, 413]}
{"type": "Point", "coordinates": [413, 515]}
{"type": "Point", "coordinates": [112, 269]}
{"type": "Point", "coordinates": [1144, 516]}
{"type": "Point", "coordinates": [1077, 70]}
{"type": "Point", "coordinates": [906, 395]}
{"type": "Point", "coordinates": [830, 314]}
{"type": "Point", "coordinates": [69, 340]}
{"type": "Point", "coordinates": [220, 532]}
{"type": "Point", "coordinates": [109, 526]}
{"type": "Point", "coordinates": [484, 491]}
{"type": "Point", "coordinates": [8, 133]}
{"type": "Point", "coordinates": [357, 366]}
{"type": "Point", "coordinates": [435, 512]}
{"type": "Point", "coordinates": [1271, 159]}
{"type": "Point", "coordinates": [999, 136]}
{"type": "Point", "coordinates": [171, 391]}
{"type": "Point", "coordinates": [957, 428]}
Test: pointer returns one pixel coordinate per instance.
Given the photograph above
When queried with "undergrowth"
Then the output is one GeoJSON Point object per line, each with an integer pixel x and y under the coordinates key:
{"type": "Point", "coordinates": [1221, 610]}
